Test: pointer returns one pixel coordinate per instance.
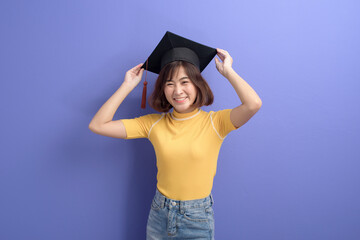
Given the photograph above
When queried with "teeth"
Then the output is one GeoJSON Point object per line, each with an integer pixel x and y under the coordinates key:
{"type": "Point", "coordinates": [179, 99]}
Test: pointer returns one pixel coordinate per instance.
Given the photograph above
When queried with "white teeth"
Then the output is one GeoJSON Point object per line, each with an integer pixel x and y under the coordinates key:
{"type": "Point", "coordinates": [179, 99]}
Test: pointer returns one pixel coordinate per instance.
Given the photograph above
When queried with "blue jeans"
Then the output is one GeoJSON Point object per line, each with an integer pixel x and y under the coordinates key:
{"type": "Point", "coordinates": [175, 219]}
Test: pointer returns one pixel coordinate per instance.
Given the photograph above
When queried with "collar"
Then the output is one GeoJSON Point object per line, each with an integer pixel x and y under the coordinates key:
{"type": "Point", "coordinates": [184, 116]}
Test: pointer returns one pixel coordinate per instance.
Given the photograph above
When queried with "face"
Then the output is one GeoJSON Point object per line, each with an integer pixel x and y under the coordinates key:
{"type": "Point", "coordinates": [180, 91]}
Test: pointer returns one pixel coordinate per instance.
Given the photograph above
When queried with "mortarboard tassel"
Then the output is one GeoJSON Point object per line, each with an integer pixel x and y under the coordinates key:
{"type": "Point", "coordinates": [143, 100]}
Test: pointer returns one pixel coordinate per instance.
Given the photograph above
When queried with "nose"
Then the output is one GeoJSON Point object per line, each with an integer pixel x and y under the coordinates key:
{"type": "Point", "coordinates": [178, 90]}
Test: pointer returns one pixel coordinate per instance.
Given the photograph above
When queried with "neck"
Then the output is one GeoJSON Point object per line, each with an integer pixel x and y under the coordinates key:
{"type": "Point", "coordinates": [184, 116]}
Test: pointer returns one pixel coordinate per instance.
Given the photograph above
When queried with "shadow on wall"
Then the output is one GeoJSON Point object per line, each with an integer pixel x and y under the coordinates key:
{"type": "Point", "coordinates": [141, 177]}
{"type": "Point", "coordinates": [141, 171]}
{"type": "Point", "coordinates": [141, 161]}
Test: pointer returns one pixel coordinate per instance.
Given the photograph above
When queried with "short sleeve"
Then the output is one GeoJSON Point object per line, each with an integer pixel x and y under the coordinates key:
{"type": "Point", "coordinates": [222, 123]}
{"type": "Point", "coordinates": [139, 127]}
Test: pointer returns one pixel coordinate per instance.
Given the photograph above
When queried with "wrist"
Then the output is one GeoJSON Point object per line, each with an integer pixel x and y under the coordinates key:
{"type": "Point", "coordinates": [229, 72]}
{"type": "Point", "coordinates": [128, 85]}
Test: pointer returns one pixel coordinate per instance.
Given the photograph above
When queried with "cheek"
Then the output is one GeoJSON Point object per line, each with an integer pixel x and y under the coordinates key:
{"type": "Point", "coordinates": [167, 92]}
{"type": "Point", "coordinates": [193, 90]}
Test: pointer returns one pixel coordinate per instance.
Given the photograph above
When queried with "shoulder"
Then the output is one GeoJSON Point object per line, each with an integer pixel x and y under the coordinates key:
{"type": "Point", "coordinates": [219, 113]}
{"type": "Point", "coordinates": [150, 117]}
{"type": "Point", "coordinates": [222, 118]}
{"type": "Point", "coordinates": [144, 120]}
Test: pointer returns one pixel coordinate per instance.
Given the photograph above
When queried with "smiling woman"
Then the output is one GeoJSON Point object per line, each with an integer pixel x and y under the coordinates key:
{"type": "Point", "coordinates": [187, 140]}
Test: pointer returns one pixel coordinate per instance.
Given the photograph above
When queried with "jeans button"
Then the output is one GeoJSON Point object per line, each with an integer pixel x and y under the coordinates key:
{"type": "Point", "coordinates": [173, 203]}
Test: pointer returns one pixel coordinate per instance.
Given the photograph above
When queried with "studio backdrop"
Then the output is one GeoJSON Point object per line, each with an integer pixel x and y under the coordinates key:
{"type": "Point", "coordinates": [290, 173]}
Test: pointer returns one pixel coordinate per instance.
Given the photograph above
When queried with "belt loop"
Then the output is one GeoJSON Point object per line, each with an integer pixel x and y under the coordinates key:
{"type": "Point", "coordinates": [163, 200]}
{"type": "Point", "coordinates": [182, 207]}
{"type": "Point", "coordinates": [212, 199]}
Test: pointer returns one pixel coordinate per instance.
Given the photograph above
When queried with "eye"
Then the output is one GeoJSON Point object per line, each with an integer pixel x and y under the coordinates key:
{"type": "Point", "coordinates": [169, 84]}
{"type": "Point", "coordinates": [185, 82]}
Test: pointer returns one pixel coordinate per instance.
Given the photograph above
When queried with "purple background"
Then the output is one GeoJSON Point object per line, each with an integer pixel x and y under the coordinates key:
{"type": "Point", "coordinates": [291, 172]}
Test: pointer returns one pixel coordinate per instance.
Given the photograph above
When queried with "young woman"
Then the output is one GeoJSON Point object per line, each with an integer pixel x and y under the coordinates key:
{"type": "Point", "coordinates": [186, 141]}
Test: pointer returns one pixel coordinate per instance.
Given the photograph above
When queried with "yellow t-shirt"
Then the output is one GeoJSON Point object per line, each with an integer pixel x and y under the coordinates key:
{"type": "Point", "coordinates": [187, 146]}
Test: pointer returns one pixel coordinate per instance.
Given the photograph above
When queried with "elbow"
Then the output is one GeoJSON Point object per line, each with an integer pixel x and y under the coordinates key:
{"type": "Point", "coordinates": [92, 127]}
{"type": "Point", "coordinates": [259, 104]}
{"type": "Point", "coordinates": [95, 126]}
{"type": "Point", "coordinates": [256, 105]}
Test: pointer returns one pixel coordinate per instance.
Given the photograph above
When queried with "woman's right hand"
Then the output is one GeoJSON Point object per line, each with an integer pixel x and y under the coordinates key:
{"type": "Point", "coordinates": [133, 76]}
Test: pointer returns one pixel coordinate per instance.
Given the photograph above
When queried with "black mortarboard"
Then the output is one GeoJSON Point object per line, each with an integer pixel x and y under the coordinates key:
{"type": "Point", "coordinates": [173, 47]}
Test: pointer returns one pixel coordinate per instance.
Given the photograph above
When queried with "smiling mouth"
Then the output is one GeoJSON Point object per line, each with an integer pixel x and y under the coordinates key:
{"type": "Point", "coordinates": [180, 100]}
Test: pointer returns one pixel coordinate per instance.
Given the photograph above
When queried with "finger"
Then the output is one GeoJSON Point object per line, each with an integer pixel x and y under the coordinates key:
{"type": "Point", "coordinates": [139, 65]}
{"type": "Point", "coordinates": [221, 56]}
{"type": "Point", "coordinates": [219, 50]}
{"type": "Point", "coordinates": [139, 71]}
{"type": "Point", "coordinates": [217, 61]}
{"type": "Point", "coordinates": [224, 52]}
{"type": "Point", "coordinates": [133, 70]}
{"type": "Point", "coordinates": [136, 68]}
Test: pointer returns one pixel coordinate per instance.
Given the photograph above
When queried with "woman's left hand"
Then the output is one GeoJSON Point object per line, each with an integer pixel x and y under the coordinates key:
{"type": "Point", "coordinates": [226, 65]}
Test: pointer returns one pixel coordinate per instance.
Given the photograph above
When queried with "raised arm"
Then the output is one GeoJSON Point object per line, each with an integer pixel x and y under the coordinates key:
{"type": "Point", "coordinates": [250, 101]}
{"type": "Point", "coordinates": [102, 122]}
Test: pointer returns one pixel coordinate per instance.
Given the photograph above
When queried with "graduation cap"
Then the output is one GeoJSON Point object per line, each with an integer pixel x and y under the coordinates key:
{"type": "Point", "coordinates": [172, 48]}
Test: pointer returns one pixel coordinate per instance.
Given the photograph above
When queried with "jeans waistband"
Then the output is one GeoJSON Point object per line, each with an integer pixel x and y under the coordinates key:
{"type": "Point", "coordinates": [187, 204]}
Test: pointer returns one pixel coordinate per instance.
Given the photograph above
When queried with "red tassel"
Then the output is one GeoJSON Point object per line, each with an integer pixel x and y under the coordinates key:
{"type": "Point", "coordinates": [143, 100]}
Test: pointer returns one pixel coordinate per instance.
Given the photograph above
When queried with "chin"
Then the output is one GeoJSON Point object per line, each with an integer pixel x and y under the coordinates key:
{"type": "Point", "coordinates": [181, 109]}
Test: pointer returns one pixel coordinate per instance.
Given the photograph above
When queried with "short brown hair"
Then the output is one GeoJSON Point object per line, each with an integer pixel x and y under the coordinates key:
{"type": "Point", "coordinates": [158, 99]}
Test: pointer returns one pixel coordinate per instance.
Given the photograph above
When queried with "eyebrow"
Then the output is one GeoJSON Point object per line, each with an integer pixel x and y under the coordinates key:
{"type": "Point", "coordinates": [179, 79]}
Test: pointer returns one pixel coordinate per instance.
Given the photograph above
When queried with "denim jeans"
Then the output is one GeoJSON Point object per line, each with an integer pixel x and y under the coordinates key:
{"type": "Point", "coordinates": [175, 219]}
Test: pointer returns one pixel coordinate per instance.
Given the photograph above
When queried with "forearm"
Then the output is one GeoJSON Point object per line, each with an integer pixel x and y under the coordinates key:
{"type": "Point", "coordinates": [247, 95]}
{"type": "Point", "coordinates": [107, 111]}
